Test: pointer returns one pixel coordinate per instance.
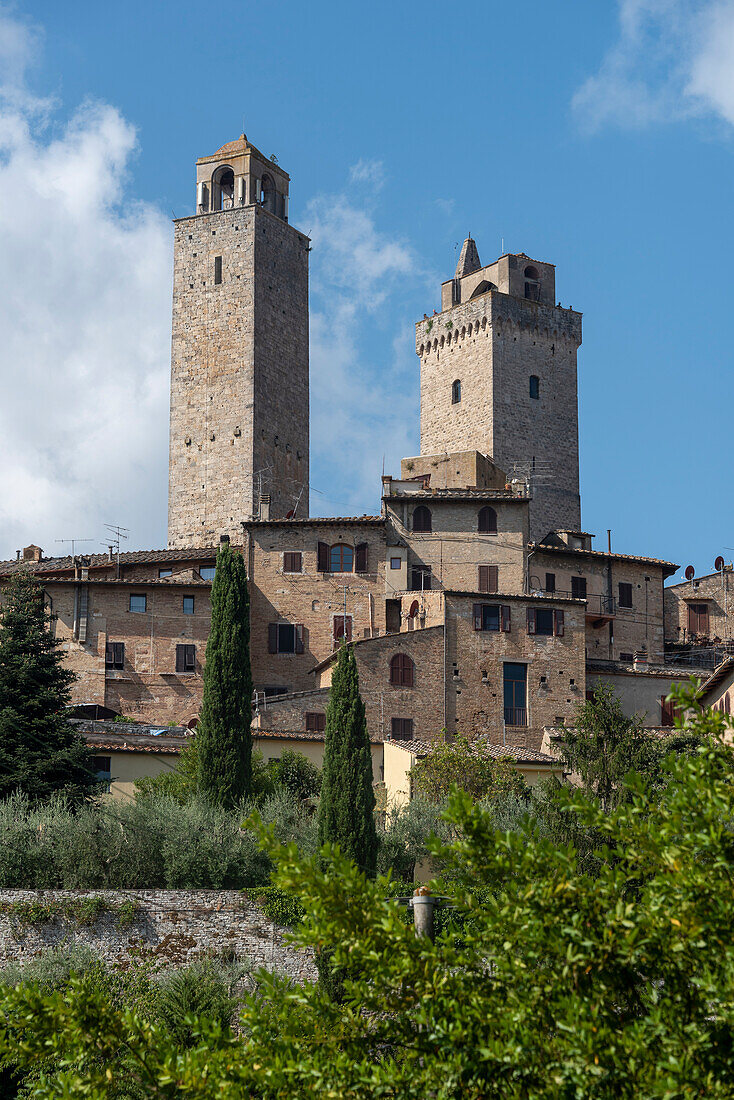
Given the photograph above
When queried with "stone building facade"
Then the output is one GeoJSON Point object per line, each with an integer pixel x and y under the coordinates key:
{"type": "Point", "coordinates": [239, 431]}
{"type": "Point", "coordinates": [133, 631]}
{"type": "Point", "coordinates": [699, 611]}
{"type": "Point", "coordinates": [498, 374]}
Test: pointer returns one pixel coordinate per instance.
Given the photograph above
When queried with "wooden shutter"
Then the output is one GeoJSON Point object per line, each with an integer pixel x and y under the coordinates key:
{"type": "Point", "coordinates": [189, 658]}
{"type": "Point", "coordinates": [477, 616]}
{"type": "Point", "coordinates": [299, 637]}
{"type": "Point", "coordinates": [488, 578]}
{"type": "Point", "coordinates": [531, 620]}
{"type": "Point", "coordinates": [665, 712]}
{"type": "Point", "coordinates": [180, 658]}
{"type": "Point", "coordinates": [505, 618]}
{"type": "Point", "coordinates": [360, 558]}
{"type": "Point", "coordinates": [272, 637]}
{"type": "Point", "coordinates": [109, 654]}
{"type": "Point", "coordinates": [703, 618]}
{"type": "Point", "coordinates": [323, 557]}
{"type": "Point", "coordinates": [558, 621]}
{"type": "Point", "coordinates": [119, 654]}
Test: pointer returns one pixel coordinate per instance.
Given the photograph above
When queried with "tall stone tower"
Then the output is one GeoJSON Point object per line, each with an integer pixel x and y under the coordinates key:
{"type": "Point", "coordinates": [239, 359]}
{"type": "Point", "coordinates": [498, 375]}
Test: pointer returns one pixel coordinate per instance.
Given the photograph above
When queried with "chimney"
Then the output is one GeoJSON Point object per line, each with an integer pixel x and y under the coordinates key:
{"type": "Point", "coordinates": [32, 553]}
{"type": "Point", "coordinates": [639, 662]}
{"type": "Point", "coordinates": [265, 507]}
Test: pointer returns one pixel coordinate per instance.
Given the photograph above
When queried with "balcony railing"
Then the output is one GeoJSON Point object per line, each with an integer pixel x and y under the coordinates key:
{"type": "Point", "coordinates": [516, 716]}
{"type": "Point", "coordinates": [596, 604]}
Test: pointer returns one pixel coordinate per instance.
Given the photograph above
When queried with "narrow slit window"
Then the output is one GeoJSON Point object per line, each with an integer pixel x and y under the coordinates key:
{"type": "Point", "coordinates": [217, 270]}
{"type": "Point", "coordinates": [534, 386]}
{"type": "Point", "coordinates": [456, 392]}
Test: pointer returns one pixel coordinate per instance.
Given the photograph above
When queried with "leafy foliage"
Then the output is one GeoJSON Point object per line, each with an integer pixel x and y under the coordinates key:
{"type": "Point", "coordinates": [614, 986]}
{"type": "Point", "coordinates": [223, 734]}
{"type": "Point", "coordinates": [469, 766]}
{"type": "Point", "coordinates": [346, 808]}
{"type": "Point", "coordinates": [40, 754]}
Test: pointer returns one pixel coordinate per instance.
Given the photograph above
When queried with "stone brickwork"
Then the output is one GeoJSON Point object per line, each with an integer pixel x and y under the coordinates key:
{"type": "Point", "coordinates": [454, 548]}
{"type": "Point", "coordinates": [310, 598]}
{"type": "Point", "coordinates": [475, 659]}
{"type": "Point", "coordinates": [716, 592]}
{"type": "Point", "coordinates": [633, 630]}
{"type": "Point", "coordinates": [239, 373]}
{"type": "Point", "coordinates": [492, 345]}
{"type": "Point", "coordinates": [170, 928]}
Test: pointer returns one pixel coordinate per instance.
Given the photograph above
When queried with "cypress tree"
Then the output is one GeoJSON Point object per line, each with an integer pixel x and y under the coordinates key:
{"type": "Point", "coordinates": [223, 735]}
{"type": "Point", "coordinates": [40, 752]}
{"type": "Point", "coordinates": [347, 799]}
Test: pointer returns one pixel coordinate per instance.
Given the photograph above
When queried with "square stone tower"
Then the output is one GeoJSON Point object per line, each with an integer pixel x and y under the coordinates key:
{"type": "Point", "coordinates": [498, 375]}
{"type": "Point", "coordinates": [239, 434]}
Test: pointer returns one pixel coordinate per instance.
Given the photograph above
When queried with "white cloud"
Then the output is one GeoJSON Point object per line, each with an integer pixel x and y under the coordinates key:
{"type": "Point", "coordinates": [368, 171]}
{"type": "Point", "coordinates": [361, 409]}
{"type": "Point", "coordinates": [85, 318]}
{"type": "Point", "coordinates": [674, 59]}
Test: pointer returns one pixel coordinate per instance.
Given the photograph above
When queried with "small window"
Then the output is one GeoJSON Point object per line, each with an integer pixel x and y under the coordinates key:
{"type": "Point", "coordinates": [488, 578]}
{"type": "Point", "coordinates": [550, 582]}
{"type": "Point", "coordinates": [315, 722]}
{"type": "Point", "coordinates": [402, 729]}
{"type": "Point", "coordinates": [341, 559]}
{"type": "Point", "coordinates": [188, 605]}
{"type": "Point", "coordinates": [217, 270]}
{"type": "Point", "coordinates": [396, 563]}
{"type": "Point", "coordinates": [206, 572]}
{"type": "Point", "coordinates": [532, 284]}
{"type": "Point", "coordinates": [491, 617]}
{"type": "Point", "coordinates": [292, 561]}
{"type": "Point", "coordinates": [114, 656]}
{"type": "Point", "coordinates": [342, 629]}
{"type": "Point", "coordinates": [628, 657]}
{"type": "Point", "coordinates": [534, 386]}
{"type": "Point", "coordinates": [402, 670]}
{"type": "Point", "coordinates": [422, 520]}
{"type": "Point", "coordinates": [487, 521]}
{"type": "Point", "coordinates": [698, 618]}
{"type": "Point", "coordinates": [420, 578]}
{"type": "Point", "coordinates": [165, 573]}
{"type": "Point", "coordinates": [578, 588]}
{"type": "Point", "coordinates": [515, 683]}
{"type": "Point", "coordinates": [285, 638]}
{"type": "Point", "coordinates": [138, 603]}
{"type": "Point", "coordinates": [456, 392]}
{"type": "Point", "coordinates": [185, 658]}
{"type": "Point", "coordinates": [625, 594]}
{"type": "Point", "coordinates": [544, 621]}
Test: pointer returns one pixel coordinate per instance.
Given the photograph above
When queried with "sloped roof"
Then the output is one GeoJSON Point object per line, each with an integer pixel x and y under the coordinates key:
{"type": "Point", "coordinates": [498, 752]}
{"type": "Point", "coordinates": [141, 557]}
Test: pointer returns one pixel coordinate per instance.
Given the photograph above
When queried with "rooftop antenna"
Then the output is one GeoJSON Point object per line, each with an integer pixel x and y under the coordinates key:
{"type": "Point", "coordinates": [73, 543]}
{"type": "Point", "coordinates": [119, 533]}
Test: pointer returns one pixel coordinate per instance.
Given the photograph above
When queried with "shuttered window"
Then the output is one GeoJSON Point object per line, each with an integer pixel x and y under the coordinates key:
{"type": "Point", "coordinates": [487, 521]}
{"type": "Point", "coordinates": [339, 628]}
{"type": "Point", "coordinates": [578, 588]}
{"type": "Point", "coordinates": [292, 561]}
{"type": "Point", "coordinates": [402, 670]}
{"type": "Point", "coordinates": [341, 558]}
{"type": "Point", "coordinates": [323, 557]}
{"type": "Point", "coordinates": [625, 594]}
{"type": "Point", "coordinates": [185, 658]}
{"type": "Point", "coordinates": [360, 558]}
{"type": "Point", "coordinates": [402, 729]}
{"type": "Point", "coordinates": [550, 582]}
{"type": "Point", "coordinates": [315, 722]}
{"type": "Point", "coordinates": [285, 638]}
{"type": "Point", "coordinates": [698, 618]}
{"type": "Point", "coordinates": [488, 578]}
{"type": "Point", "coordinates": [114, 656]}
{"type": "Point", "coordinates": [545, 621]}
{"type": "Point", "coordinates": [422, 519]}
{"type": "Point", "coordinates": [492, 617]}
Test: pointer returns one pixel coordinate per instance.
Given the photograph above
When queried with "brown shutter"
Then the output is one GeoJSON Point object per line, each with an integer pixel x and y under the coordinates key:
{"type": "Point", "coordinates": [323, 558]}
{"type": "Point", "coordinates": [109, 654]}
{"type": "Point", "coordinates": [703, 618]}
{"type": "Point", "coordinates": [505, 610]}
{"type": "Point", "coordinates": [180, 658]}
{"type": "Point", "coordinates": [272, 637]}
{"type": "Point", "coordinates": [484, 578]}
{"type": "Point", "coordinates": [493, 578]}
{"type": "Point", "coordinates": [361, 558]}
{"type": "Point", "coordinates": [531, 620]}
{"type": "Point", "coordinates": [477, 616]}
{"type": "Point", "coordinates": [348, 627]}
{"type": "Point", "coordinates": [190, 658]}
{"type": "Point", "coordinates": [559, 624]}
{"type": "Point", "coordinates": [299, 637]}
{"type": "Point", "coordinates": [407, 671]}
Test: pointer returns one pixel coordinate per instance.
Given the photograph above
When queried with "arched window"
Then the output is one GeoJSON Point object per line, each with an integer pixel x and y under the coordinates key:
{"type": "Point", "coordinates": [223, 188]}
{"type": "Point", "coordinates": [402, 671]}
{"type": "Point", "coordinates": [532, 283]}
{"type": "Point", "coordinates": [483, 288]}
{"type": "Point", "coordinates": [456, 392]}
{"type": "Point", "coordinates": [422, 518]}
{"type": "Point", "coordinates": [341, 559]}
{"type": "Point", "coordinates": [534, 386]}
{"type": "Point", "coordinates": [268, 194]}
{"type": "Point", "coordinates": [487, 521]}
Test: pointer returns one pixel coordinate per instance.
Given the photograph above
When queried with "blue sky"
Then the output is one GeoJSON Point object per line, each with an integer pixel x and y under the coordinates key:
{"type": "Point", "coordinates": [594, 136]}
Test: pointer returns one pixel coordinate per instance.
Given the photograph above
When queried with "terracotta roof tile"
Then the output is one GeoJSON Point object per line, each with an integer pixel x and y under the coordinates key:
{"type": "Point", "coordinates": [131, 557]}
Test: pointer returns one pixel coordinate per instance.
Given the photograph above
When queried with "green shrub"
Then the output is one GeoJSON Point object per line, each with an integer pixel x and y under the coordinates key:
{"type": "Point", "coordinates": [204, 988]}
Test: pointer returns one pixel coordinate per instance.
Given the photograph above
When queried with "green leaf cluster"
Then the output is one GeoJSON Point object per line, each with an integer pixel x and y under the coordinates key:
{"type": "Point", "coordinates": [469, 766]}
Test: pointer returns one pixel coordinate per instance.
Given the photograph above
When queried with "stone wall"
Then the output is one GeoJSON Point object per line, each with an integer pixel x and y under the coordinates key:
{"type": "Point", "coordinates": [169, 927]}
{"type": "Point", "coordinates": [716, 590]}
{"type": "Point", "coordinates": [239, 373]}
